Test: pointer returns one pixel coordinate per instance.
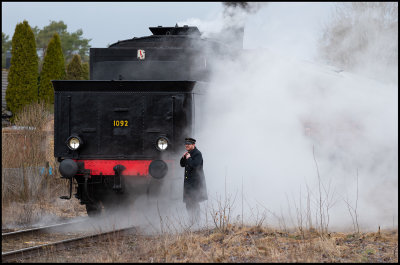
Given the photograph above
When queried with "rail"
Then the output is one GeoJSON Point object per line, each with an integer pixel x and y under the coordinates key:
{"type": "Point", "coordinates": [9, 235]}
{"type": "Point", "coordinates": [25, 253]}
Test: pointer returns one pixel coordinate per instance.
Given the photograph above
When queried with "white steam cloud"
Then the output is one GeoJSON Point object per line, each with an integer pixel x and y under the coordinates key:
{"type": "Point", "coordinates": [277, 124]}
{"type": "Point", "coordinates": [283, 137]}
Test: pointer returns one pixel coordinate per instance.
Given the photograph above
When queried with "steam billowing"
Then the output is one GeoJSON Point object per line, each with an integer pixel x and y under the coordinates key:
{"type": "Point", "coordinates": [234, 20]}
{"type": "Point", "coordinates": [231, 8]}
{"type": "Point", "coordinates": [291, 131]}
{"type": "Point", "coordinates": [287, 140]}
{"type": "Point", "coordinates": [290, 141]}
{"type": "Point", "coordinates": [361, 33]}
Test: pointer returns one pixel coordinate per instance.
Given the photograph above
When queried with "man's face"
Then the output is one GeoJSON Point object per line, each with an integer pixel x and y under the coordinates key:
{"type": "Point", "coordinates": [189, 147]}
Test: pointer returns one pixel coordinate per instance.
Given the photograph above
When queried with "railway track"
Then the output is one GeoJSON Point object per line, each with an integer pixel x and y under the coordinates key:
{"type": "Point", "coordinates": [21, 254]}
{"type": "Point", "coordinates": [36, 230]}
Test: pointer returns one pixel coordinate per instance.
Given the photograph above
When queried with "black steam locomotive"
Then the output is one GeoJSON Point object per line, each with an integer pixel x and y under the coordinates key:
{"type": "Point", "coordinates": [121, 131]}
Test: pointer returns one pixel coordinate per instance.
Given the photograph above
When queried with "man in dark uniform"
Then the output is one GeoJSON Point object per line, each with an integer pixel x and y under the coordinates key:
{"type": "Point", "coordinates": [194, 186]}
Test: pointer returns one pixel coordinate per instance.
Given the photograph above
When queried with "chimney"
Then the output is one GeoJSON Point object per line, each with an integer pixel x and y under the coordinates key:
{"type": "Point", "coordinates": [235, 14]}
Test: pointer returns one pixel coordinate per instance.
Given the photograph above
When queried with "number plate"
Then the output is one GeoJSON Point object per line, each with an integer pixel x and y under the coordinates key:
{"type": "Point", "coordinates": [120, 123]}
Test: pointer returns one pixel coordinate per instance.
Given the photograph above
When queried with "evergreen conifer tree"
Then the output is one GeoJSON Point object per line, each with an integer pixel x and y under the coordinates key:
{"type": "Point", "coordinates": [53, 69]}
{"type": "Point", "coordinates": [74, 68]}
{"type": "Point", "coordinates": [85, 71]}
{"type": "Point", "coordinates": [22, 86]}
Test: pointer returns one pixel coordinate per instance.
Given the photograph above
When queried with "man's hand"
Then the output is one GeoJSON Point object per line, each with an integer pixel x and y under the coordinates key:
{"type": "Point", "coordinates": [187, 155]}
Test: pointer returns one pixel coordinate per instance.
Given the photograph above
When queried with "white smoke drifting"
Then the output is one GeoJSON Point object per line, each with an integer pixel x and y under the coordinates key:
{"type": "Point", "coordinates": [266, 113]}
{"type": "Point", "coordinates": [363, 37]}
{"type": "Point", "coordinates": [279, 131]}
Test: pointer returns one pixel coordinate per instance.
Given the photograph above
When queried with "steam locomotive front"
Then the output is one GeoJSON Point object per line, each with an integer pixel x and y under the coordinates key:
{"type": "Point", "coordinates": [120, 132]}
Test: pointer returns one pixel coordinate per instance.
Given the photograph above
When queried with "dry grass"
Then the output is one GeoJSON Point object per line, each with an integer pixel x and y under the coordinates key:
{"type": "Point", "coordinates": [251, 244]}
{"type": "Point", "coordinates": [239, 245]}
{"type": "Point", "coordinates": [29, 191]}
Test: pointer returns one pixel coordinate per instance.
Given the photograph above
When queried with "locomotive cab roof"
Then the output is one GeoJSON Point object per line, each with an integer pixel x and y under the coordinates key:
{"type": "Point", "coordinates": [185, 30]}
{"type": "Point", "coordinates": [161, 33]}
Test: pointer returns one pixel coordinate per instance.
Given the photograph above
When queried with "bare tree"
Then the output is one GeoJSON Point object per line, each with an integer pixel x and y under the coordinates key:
{"type": "Point", "coordinates": [326, 200]}
{"type": "Point", "coordinates": [353, 210]}
{"type": "Point", "coordinates": [363, 37]}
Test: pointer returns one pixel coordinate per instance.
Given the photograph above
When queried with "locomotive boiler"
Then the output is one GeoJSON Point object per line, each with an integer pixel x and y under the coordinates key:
{"type": "Point", "coordinates": [121, 132]}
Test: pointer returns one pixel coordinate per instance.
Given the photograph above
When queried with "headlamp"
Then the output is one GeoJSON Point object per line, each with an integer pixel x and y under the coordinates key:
{"type": "Point", "coordinates": [162, 143]}
{"type": "Point", "coordinates": [74, 142]}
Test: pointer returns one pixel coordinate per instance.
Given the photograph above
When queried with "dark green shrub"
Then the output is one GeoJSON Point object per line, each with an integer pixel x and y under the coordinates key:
{"type": "Point", "coordinates": [22, 86]}
{"type": "Point", "coordinates": [74, 68]}
{"type": "Point", "coordinates": [53, 69]}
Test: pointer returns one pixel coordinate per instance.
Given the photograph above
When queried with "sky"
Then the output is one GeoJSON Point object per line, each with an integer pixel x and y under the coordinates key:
{"type": "Point", "coordinates": [104, 23]}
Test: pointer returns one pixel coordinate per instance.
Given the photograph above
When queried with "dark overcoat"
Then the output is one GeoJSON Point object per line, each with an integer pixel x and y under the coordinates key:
{"type": "Point", "coordinates": [194, 185]}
